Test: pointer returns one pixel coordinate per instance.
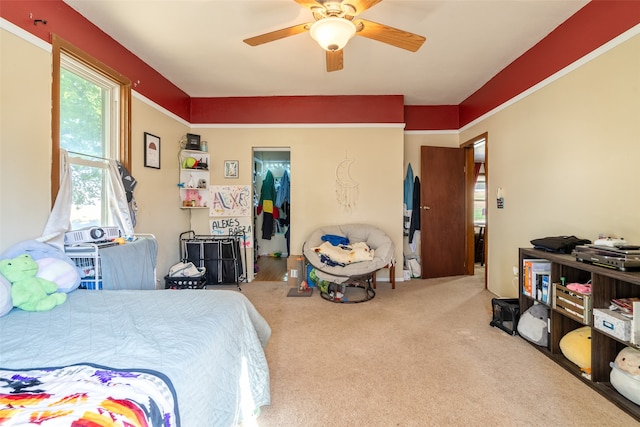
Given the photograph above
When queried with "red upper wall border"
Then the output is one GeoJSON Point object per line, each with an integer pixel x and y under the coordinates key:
{"type": "Point", "coordinates": [73, 27]}
{"type": "Point", "coordinates": [592, 26]}
{"type": "Point", "coordinates": [431, 117]}
{"type": "Point", "coordinates": [299, 109]}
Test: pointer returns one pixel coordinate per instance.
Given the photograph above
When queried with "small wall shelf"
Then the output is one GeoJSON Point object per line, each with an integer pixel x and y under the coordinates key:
{"type": "Point", "coordinates": [194, 179]}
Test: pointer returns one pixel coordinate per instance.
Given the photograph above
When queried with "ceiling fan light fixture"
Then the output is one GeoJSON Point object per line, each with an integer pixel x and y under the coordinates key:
{"type": "Point", "coordinates": [332, 33]}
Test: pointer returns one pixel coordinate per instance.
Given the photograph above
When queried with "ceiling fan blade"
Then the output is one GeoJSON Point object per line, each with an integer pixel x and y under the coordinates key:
{"type": "Point", "coordinates": [334, 60]}
{"type": "Point", "coordinates": [362, 5]}
{"type": "Point", "coordinates": [389, 35]}
{"type": "Point", "coordinates": [277, 35]}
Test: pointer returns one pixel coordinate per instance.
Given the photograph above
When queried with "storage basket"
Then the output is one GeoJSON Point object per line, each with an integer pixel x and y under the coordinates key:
{"type": "Point", "coordinates": [87, 258]}
{"type": "Point", "coordinates": [572, 304]}
{"type": "Point", "coordinates": [219, 255]}
{"type": "Point", "coordinates": [195, 282]}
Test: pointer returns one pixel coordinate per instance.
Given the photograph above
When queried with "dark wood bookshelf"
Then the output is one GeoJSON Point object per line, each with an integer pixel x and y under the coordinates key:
{"type": "Point", "coordinates": [606, 284]}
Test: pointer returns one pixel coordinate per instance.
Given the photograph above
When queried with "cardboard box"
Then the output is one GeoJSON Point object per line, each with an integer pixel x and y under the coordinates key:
{"type": "Point", "coordinates": [613, 323]}
{"type": "Point", "coordinates": [295, 270]}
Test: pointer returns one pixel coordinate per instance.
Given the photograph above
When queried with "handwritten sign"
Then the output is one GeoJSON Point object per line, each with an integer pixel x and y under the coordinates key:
{"type": "Point", "coordinates": [240, 226]}
{"type": "Point", "coordinates": [230, 200]}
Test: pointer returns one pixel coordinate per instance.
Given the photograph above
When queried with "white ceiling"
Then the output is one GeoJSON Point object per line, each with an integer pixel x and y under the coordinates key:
{"type": "Point", "coordinates": [197, 45]}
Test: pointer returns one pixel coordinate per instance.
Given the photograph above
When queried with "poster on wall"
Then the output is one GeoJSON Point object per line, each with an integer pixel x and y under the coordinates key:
{"type": "Point", "coordinates": [240, 226]}
{"type": "Point", "coordinates": [230, 200]}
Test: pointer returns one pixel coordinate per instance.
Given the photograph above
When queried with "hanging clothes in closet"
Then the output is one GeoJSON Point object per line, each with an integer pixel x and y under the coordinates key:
{"type": "Point", "coordinates": [283, 190]}
{"type": "Point", "coordinates": [267, 207]}
{"type": "Point", "coordinates": [408, 200]}
{"type": "Point", "coordinates": [408, 189]}
{"type": "Point", "coordinates": [283, 203]}
{"type": "Point", "coordinates": [415, 213]}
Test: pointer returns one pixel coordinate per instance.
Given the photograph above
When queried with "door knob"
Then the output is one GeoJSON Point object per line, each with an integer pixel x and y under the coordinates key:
{"type": "Point", "coordinates": [426, 208]}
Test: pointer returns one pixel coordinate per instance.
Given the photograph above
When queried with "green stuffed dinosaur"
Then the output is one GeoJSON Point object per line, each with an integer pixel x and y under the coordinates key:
{"type": "Point", "coordinates": [28, 292]}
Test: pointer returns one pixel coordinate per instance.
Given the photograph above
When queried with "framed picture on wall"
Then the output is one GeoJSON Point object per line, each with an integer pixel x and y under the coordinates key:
{"type": "Point", "coordinates": [151, 151]}
{"type": "Point", "coordinates": [230, 168]}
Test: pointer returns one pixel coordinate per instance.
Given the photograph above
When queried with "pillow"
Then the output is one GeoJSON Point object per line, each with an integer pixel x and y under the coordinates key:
{"type": "Point", "coordinates": [532, 325]}
{"type": "Point", "coordinates": [628, 360]}
{"type": "Point", "coordinates": [576, 346]}
{"type": "Point", "coordinates": [34, 248]}
{"type": "Point", "coordinates": [60, 273]}
{"type": "Point", "coordinates": [625, 374]}
{"type": "Point", "coordinates": [5, 296]}
{"type": "Point", "coordinates": [625, 384]}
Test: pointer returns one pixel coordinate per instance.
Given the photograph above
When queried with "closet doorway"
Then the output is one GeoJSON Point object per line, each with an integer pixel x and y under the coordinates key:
{"type": "Point", "coordinates": [272, 207]}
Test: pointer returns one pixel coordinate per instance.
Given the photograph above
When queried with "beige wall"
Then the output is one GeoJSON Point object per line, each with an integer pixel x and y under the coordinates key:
{"type": "Point", "coordinates": [25, 139]}
{"type": "Point", "coordinates": [315, 152]}
{"type": "Point", "coordinates": [25, 155]}
{"type": "Point", "coordinates": [156, 194]}
{"type": "Point", "coordinates": [566, 157]}
{"type": "Point", "coordinates": [415, 139]}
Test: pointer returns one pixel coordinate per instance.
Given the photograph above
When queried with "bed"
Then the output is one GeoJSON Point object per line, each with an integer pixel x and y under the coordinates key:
{"type": "Point", "coordinates": [206, 347]}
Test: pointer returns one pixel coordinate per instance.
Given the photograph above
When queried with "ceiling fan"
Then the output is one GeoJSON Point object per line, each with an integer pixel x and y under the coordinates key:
{"type": "Point", "coordinates": [335, 25]}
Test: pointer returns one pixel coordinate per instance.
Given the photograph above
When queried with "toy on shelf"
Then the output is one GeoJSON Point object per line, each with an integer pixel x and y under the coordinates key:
{"type": "Point", "coordinates": [193, 182]}
{"type": "Point", "coordinates": [193, 198]}
{"type": "Point", "coordinates": [625, 374]}
{"type": "Point", "coordinates": [532, 325]}
{"type": "Point", "coordinates": [576, 346]}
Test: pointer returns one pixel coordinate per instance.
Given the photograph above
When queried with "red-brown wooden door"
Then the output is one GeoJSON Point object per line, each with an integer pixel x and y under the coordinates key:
{"type": "Point", "coordinates": [442, 212]}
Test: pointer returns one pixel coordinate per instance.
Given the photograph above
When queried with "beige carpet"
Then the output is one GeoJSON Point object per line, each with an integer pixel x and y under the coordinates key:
{"type": "Point", "coordinates": [420, 355]}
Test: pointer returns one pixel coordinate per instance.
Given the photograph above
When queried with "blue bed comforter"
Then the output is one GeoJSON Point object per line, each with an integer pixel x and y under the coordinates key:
{"type": "Point", "coordinates": [209, 343]}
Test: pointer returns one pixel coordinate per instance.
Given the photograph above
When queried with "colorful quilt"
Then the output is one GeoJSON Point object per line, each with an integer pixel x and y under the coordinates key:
{"type": "Point", "coordinates": [86, 396]}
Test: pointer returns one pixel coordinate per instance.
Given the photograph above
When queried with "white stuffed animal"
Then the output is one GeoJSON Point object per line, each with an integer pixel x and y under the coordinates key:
{"type": "Point", "coordinates": [625, 374]}
{"type": "Point", "coordinates": [532, 325]}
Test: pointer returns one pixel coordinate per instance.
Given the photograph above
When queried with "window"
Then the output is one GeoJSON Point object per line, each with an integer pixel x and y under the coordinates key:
{"type": "Point", "coordinates": [480, 200]}
{"type": "Point", "coordinates": [91, 121]}
{"type": "Point", "coordinates": [87, 101]}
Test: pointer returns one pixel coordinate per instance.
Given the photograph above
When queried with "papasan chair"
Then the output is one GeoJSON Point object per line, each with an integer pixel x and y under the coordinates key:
{"type": "Point", "coordinates": [356, 252]}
